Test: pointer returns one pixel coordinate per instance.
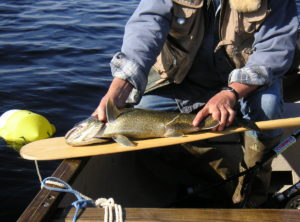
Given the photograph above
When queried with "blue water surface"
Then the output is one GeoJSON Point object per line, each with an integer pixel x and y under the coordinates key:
{"type": "Point", "coordinates": [54, 60]}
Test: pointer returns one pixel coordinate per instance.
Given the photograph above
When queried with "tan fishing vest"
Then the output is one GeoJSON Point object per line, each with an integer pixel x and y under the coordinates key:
{"type": "Point", "coordinates": [239, 20]}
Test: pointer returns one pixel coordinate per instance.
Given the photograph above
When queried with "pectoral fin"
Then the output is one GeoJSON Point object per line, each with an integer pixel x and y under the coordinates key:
{"type": "Point", "coordinates": [123, 140]}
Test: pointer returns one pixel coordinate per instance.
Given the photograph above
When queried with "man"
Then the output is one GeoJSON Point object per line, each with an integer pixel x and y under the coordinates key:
{"type": "Point", "coordinates": [207, 56]}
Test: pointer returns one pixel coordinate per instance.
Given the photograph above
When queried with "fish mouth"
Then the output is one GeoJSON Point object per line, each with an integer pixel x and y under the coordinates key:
{"type": "Point", "coordinates": [74, 133]}
{"type": "Point", "coordinates": [78, 128]}
{"type": "Point", "coordinates": [95, 140]}
{"type": "Point", "coordinates": [86, 132]}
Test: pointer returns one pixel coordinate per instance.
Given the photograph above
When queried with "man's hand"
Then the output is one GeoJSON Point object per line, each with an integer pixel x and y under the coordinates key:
{"type": "Point", "coordinates": [221, 105]}
{"type": "Point", "coordinates": [118, 92]}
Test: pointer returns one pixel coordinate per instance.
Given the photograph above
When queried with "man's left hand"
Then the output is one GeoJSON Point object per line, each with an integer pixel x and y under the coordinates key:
{"type": "Point", "coordinates": [221, 105]}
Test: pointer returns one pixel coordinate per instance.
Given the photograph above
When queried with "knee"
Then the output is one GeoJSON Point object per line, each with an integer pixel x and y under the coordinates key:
{"type": "Point", "coordinates": [271, 106]}
{"type": "Point", "coordinates": [265, 104]}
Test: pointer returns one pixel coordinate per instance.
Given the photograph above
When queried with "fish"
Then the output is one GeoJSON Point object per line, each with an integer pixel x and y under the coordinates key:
{"type": "Point", "coordinates": [127, 124]}
{"type": "Point", "coordinates": [85, 132]}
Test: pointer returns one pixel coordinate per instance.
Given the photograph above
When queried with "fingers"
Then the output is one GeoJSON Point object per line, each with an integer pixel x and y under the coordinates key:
{"type": "Point", "coordinates": [231, 116]}
{"type": "Point", "coordinates": [220, 107]}
{"type": "Point", "coordinates": [223, 115]}
{"type": "Point", "coordinates": [226, 116]}
{"type": "Point", "coordinates": [118, 92]}
{"type": "Point", "coordinates": [100, 113]}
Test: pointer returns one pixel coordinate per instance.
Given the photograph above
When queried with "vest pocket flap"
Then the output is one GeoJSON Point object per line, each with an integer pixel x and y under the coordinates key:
{"type": "Point", "coordinates": [253, 20]}
{"type": "Point", "coordinates": [186, 9]}
{"type": "Point", "coordinates": [251, 17]}
{"type": "Point", "coordinates": [190, 3]}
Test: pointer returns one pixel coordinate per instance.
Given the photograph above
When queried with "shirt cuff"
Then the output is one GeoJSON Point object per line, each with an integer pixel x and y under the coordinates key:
{"type": "Point", "coordinates": [129, 70]}
{"type": "Point", "coordinates": [258, 75]}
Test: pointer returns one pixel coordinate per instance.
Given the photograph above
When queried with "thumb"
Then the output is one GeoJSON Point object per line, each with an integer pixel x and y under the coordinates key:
{"type": "Point", "coordinates": [100, 112]}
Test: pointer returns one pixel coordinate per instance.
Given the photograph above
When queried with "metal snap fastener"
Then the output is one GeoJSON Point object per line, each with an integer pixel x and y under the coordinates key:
{"type": "Point", "coordinates": [180, 21]}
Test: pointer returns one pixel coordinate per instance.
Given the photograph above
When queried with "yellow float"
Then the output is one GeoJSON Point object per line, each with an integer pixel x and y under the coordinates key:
{"type": "Point", "coordinates": [19, 127]}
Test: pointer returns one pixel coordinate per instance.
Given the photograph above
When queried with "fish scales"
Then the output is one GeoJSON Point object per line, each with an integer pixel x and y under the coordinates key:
{"type": "Point", "coordinates": [138, 123]}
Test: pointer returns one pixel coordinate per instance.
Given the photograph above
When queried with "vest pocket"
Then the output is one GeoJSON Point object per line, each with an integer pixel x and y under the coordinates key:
{"type": "Point", "coordinates": [184, 39]}
{"type": "Point", "coordinates": [253, 20]}
{"type": "Point", "coordinates": [237, 32]}
{"type": "Point", "coordinates": [184, 17]}
{"type": "Point", "coordinates": [170, 60]}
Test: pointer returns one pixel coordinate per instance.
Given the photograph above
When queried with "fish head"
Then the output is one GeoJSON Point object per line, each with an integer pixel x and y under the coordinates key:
{"type": "Point", "coordinates": [86, 132]}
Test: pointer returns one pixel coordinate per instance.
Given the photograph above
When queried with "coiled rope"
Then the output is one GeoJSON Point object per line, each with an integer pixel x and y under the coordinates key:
{"type": "Point", "coordinates": [83, 201]}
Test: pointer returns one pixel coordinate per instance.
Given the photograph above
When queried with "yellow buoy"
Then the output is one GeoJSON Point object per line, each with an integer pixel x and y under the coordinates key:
{"type": "Point", "coordinates": [18, 127]}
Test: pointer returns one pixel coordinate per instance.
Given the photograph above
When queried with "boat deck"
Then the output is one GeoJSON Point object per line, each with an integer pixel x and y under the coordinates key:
{"type": "Point", "coordinates": [47, 206]}
{"type": "Point", "coordinates": [186, 215]}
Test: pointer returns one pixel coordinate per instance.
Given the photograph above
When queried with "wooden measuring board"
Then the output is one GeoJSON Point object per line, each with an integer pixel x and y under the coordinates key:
{"type": "Point", "coordinates": [56, 148]}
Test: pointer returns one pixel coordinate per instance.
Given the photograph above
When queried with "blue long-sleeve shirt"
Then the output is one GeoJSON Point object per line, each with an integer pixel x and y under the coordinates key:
{"type": "Point", "coordinates": [147, 30]}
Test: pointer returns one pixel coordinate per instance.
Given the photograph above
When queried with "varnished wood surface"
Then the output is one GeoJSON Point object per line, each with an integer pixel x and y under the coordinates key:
{"type": "Point", "coordinates": [56, 148]}
{"type": "Point", "coordinates": [187, 215]}
{"type": "Point", "coordinates": [46, 201]}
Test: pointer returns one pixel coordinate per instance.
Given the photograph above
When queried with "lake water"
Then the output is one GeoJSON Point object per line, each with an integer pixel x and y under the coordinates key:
{"type": "Point", "coordinates": [54, 60]}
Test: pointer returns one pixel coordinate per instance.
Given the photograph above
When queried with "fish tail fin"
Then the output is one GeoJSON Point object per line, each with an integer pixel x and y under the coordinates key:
{"type": "Point", "coordinates": [112, 112]}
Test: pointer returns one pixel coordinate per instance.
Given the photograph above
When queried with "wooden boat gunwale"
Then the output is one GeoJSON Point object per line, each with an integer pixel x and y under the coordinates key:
{"type": "Point", "coordinates": [46, 201]}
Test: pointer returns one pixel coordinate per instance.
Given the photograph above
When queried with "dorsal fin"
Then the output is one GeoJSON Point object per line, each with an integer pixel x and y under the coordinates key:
{"type": "Point", "coordinates": [112, 112]}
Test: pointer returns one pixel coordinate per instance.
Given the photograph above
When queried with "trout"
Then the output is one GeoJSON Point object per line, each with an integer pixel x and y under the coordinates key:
{"type": "Point", "coordinates": [131, 123]}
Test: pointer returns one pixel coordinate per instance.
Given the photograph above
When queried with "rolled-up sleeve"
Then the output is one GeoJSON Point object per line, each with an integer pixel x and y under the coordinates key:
{"type": "Point", "coordinates": [145, 34]}
{"type": "Point", "coordinates": [274, 46]}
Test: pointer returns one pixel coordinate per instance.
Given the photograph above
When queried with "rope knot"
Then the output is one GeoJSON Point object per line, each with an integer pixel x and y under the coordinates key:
{"type": "Point", "coordinates": [81, 203]}
{"type": "Point", "coordinates": [103, 202]}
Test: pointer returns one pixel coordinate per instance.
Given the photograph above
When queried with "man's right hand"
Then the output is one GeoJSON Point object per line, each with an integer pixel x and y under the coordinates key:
{"type": "Point", "coordinates": [118, 92]}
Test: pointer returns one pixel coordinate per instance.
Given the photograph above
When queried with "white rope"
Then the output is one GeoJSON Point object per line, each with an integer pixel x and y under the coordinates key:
{"type": "Point", "coordinates": [107, 204]}
{"type": "Point", "coordinates": [38, 171]}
